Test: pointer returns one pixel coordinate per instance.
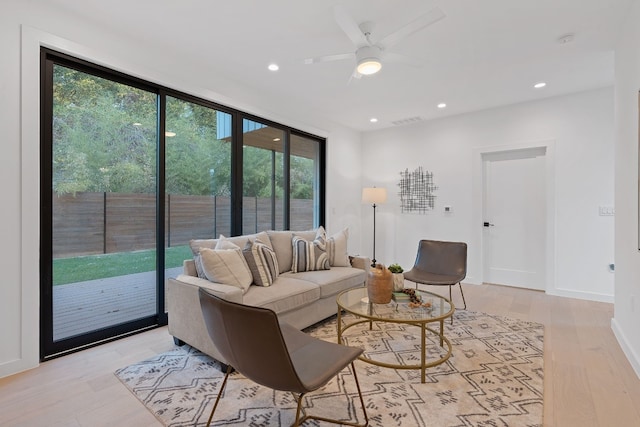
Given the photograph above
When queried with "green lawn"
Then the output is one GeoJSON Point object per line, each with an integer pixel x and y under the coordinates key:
{"type": "Point", "coordinates": [79, 269]}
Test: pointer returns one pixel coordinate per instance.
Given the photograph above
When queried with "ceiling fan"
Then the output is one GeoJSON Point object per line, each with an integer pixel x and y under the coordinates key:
{"type": "Point", "coordinates": [369, 52]}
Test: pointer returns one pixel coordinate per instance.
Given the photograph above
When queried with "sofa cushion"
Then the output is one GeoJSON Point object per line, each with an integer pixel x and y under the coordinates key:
{"type": "Point", "coordinates": [240, 241]}
{"type": "Point", "coordinates": [309, 255]}
{"type": "Point", "coordinates": [331, 282]}
{"type": "Point", "coordinates": [226, 266]}
{"type": "Point", "coordinates": [262, 262]}
{"type": "Point", "coordinates": [281, 244]}
{"type": "Point", "coordinates": [337, 249]}
{"type": "Point", "coordinates": [286, 294]}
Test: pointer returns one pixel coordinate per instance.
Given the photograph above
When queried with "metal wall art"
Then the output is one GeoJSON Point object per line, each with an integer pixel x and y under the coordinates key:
{"type": "Point", "coordinates": [416, 190]}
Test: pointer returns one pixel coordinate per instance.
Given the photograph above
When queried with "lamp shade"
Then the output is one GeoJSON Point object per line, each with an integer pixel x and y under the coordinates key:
{"type": "Point", "coordinates": [374, 195]}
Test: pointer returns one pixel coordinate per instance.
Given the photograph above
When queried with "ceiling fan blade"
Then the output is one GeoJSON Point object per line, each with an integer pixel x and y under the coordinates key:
{"type": "Point", "coordinates": [355, 75]}
{"type": "Point", "coordinates": [327, 58]}
{"type": "Point", "coordinates": [349, 26]}
{"type": "Point", "coordinates": [431, 17]}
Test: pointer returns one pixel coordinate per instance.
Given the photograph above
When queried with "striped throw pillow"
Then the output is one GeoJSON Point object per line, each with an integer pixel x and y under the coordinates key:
{"type": "Point", "coordinates": [262, 262]}
{"type": "Point", "coordinates": [309, 256]}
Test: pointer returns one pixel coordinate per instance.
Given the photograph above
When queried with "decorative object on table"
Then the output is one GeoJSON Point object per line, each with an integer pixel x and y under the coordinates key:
{"type": "Point", "coordinates": [411, 295]}
{"type": "Point", "coordinates": [398, 277]}
{"type": "Point", "coordinates": [375, 196]}
{"type": "Point", "coordinates": [400, 297]}
{"type": "Point", "coordinates": [379, 284]}
{"type": "Point", "coordinates": [462, 389]}
{"type": "Point", "coordinates": [416, 191]}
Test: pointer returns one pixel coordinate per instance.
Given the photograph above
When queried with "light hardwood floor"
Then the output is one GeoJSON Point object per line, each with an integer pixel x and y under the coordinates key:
{"type": "Point", "coordinates": [588, 380]}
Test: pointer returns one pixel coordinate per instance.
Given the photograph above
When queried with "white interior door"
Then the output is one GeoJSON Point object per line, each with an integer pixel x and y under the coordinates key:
{"type": "Point", "coordinates": [515, 218]}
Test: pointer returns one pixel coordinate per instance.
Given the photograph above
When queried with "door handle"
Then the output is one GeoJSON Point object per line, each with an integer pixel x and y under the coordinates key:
{"type": "Point", "coordinates": [487, 224]}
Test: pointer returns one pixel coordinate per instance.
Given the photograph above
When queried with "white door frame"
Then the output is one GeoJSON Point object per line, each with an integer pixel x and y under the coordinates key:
{"type": "Point", "coordinates": [478, 179]}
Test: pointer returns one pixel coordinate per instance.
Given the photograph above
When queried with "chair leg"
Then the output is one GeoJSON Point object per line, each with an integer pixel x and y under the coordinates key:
{"type": "Point", "coordinates": [297, 422]}
{"type": "Point", "coordinates": [451, 299]}
{"type": "Point", "coordinates": [364, 409]}
{"type": "Point", "coordinates": [224, 383]}
{"type": "Point", "coordinates": [305, 417]}
{"type": "Point", "coordinates": [462, 293]}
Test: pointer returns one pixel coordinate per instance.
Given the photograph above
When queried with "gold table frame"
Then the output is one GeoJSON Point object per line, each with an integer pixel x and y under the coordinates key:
{"type": "Point", "coordinates": [355, 301]}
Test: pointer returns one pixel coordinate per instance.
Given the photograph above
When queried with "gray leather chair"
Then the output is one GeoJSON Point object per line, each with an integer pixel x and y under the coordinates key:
{"type": "Point", "coordinates": [274, 354]}
{"type": "Point", "coordinates": [440, 263]}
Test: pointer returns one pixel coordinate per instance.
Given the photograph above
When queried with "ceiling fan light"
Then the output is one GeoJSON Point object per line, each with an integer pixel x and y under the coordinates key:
{"type": "Point", "coordinates": [369, 66]}
{"type": "Point", "coordinates": [368, 59]}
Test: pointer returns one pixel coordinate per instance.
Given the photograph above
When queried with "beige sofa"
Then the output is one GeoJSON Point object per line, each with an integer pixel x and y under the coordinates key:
{"type": "Point", "coordinates": [301, 298]}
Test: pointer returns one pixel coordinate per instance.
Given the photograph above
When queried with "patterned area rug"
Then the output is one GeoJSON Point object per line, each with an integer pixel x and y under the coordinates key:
{"type": "Point", "coordinates": [494, 377]}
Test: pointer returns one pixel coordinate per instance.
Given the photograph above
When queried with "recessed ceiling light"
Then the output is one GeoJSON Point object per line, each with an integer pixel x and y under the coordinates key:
{"type": "Point", "coordinates": [137, 124]}
{"type": "Point", "coordinates": [373, 120]}
{"type": "Point", "coordinates": [539, 85]}
{"type": "Point", "coordinates": [276, 139]}
{"type": "Point", "coordinates": [273, 67]}
{"type": "Point", "coordinates": [169, 134]}
{"type": "Point", "coordinates": [442, 105]}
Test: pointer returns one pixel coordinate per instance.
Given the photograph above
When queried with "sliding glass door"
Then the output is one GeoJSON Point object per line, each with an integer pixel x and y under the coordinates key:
{"type": "Point", "coordinates": [263, 165]}
{"type": "Point", "coordinates": [305, 178]}
{"type": "Point", "coordinates": [101, 257]}
{"type": "Point", "coordinates": [198, 178]}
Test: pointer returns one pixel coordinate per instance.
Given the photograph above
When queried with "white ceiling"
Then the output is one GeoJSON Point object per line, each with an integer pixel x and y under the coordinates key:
{"type": "Point", "coordinates": [484, 54]}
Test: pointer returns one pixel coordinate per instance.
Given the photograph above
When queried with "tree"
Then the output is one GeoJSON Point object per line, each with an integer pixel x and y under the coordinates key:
{"type": "Point", "coordinates": [99, 140]}
{"type": "Point", "coordinates": [105, 140]}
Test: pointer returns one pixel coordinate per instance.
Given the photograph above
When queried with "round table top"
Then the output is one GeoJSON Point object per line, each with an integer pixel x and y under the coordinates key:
{"type": "Point", "coordinates": [434, 307]}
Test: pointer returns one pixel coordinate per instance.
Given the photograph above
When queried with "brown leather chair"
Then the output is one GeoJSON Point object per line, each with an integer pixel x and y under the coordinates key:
{"type": "Point", "coordinates": [274, 354]}
{"type": "Point", "coordinates": [440, 263]}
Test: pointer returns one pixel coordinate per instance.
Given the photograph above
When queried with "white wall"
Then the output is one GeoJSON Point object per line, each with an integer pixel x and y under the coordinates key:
{"type": "Point", "coordinates": [343, 207]}
{"type": "Point", "coordinates": [627, 299]}
{"type": "Point", "coordinates": [23, 28]}
{"type": "Point", "coordinates": [579, 131]}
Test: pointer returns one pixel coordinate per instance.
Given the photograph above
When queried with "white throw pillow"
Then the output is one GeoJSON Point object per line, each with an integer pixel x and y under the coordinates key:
{"type": "Point", "coordinates": [226, 266]}
{"type": "Point", "coordinates": [337, 249]}
{"type": "Point", "coordinates": [224, 243]}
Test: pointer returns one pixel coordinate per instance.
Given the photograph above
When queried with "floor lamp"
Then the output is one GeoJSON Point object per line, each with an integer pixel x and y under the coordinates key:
{"type": "Point", "coordinates": [375, 196]}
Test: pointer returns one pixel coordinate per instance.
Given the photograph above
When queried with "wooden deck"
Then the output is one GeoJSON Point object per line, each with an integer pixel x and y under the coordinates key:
{"type": "Point", "coordinates": [87, 306]}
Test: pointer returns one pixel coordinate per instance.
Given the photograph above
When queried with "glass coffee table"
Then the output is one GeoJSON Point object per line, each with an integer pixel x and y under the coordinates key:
{"type": "Point", "coordinates": [356, 302]}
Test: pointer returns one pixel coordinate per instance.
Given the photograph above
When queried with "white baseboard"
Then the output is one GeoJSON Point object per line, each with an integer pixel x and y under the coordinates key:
{"type": "Point", "coordinates": [590, 296]}
{"type": "Point", "coordinates": [16, 366]}
{"type": "Point", "coordinates": [628, 351]}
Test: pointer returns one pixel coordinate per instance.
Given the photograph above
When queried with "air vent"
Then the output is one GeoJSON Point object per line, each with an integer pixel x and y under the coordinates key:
{"type": "Point", "coordinates": [407, 121]}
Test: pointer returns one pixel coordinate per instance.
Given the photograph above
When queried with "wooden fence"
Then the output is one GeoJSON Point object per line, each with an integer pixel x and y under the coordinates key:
{"type": "Point", "coordinates": [100, 223]}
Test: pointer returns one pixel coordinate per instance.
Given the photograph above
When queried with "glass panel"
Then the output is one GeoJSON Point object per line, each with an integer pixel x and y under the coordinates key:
{"type": "Point", "coordinates": [198, 178]}
{"type": "Point", "coordinates": [305, 179]}
{"type": "Point", "coordinates": [104, 203]}
{"type": "Point", "coordinates": [263, 178]}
